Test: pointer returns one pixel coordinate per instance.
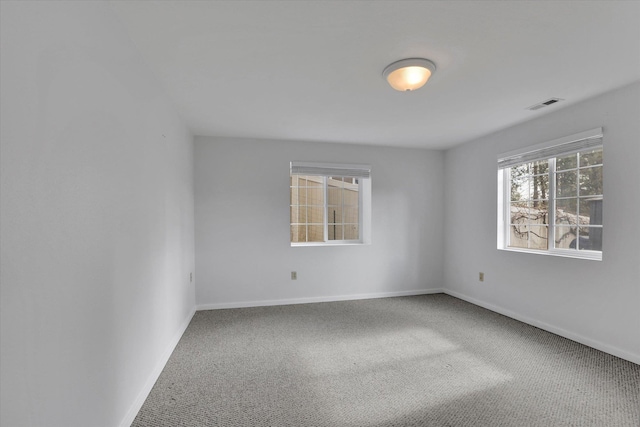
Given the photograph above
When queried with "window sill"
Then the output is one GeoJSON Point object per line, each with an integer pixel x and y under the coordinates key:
{"type": "Point", "coordinates": [295, 245]}
{"type": "Point", "coordinates": [587, 255]}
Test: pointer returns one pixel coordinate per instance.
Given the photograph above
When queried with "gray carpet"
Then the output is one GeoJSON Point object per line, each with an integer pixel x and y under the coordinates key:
{"type": "Point", "coordinates": [430, 360]}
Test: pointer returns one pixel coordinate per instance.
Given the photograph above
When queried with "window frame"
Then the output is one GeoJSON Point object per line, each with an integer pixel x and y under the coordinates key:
{"type": "Point", "coordinates": [326, 171]}
{"type": "Point", "coordinates": [577, 143]}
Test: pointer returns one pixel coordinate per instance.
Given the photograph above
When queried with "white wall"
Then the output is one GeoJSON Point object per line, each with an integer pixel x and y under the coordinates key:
{"type": "Point", "coordinates": [97, 219]}
{"type": "Point", "coordinates": [593, 302]}
{"type": "Point", "coordinates": [243, 254]}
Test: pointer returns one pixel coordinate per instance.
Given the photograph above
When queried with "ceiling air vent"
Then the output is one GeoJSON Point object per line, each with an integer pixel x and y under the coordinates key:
{"type": "Point", "coordinates": [543, 104]}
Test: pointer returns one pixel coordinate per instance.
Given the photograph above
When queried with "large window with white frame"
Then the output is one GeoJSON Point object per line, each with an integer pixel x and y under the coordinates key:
{"type": "Point", "coordinates": [329, 203]}
{"type": "Point", "coordinates": [550, 197]}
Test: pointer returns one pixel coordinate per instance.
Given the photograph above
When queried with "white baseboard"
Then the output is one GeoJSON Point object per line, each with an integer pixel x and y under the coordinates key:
{"type": "Point", "coordinates": [307, 300]}
{"type": "Point", "coordinates": [153, 377]}
{"type": "Point", "coordinates": [623, 354]}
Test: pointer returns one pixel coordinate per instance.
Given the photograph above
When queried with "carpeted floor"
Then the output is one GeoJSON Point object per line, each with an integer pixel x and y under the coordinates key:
{"type": "Point", "coordinates": [430, 360]}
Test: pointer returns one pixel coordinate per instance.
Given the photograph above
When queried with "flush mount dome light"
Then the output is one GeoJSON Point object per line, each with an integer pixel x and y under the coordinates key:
{"type": "Point", "coordinates": [409, 74]}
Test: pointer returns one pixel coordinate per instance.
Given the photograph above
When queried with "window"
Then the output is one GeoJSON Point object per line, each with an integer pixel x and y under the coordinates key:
{"type": "Point", "coordinates": [329, 203]}
{"type": "Point", "coordinates": [550, 197]}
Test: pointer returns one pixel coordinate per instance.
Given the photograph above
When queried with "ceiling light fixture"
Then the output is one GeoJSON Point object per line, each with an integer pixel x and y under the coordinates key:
{"type": "Point", "coordinates": [409, 74]}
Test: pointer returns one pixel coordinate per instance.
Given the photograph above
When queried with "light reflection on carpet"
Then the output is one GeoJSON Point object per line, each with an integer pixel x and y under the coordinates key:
{"type": "Point", "coordinates": [383, 376]}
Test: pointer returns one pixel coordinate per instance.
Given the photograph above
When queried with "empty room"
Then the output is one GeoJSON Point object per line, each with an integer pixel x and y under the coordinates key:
{"type": "Point", "coordinates": [319, 213]}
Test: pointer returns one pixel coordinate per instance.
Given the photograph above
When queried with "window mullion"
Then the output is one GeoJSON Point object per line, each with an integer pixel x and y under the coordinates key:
{"type": "Point", "coordinates": [530, 206]}
{"type": "Point", "coordinates": [342, 215]}
{"type": "Point", "coordinates": [551, 241]}
{"type": "Point", "coordinates": [506, 211]}
{"type": "Point", "coordinates": [325, 208]}
{"type": "Point", "coordinates": [578, 201]}
{"type": "Point", "coordinates": [306, 211]}
{"type": "Point", "coordinates": [360, 211]}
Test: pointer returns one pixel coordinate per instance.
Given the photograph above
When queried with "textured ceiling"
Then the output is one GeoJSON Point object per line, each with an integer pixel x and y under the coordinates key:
{"type": "Point", "coordinates": [312, 70]}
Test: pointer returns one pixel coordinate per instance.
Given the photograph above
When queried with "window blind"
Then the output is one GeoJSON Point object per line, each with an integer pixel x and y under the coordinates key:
{"type": "Point", "coordinates": [559, 147]}
{"type": "Point", "coordinates": [324, 169]}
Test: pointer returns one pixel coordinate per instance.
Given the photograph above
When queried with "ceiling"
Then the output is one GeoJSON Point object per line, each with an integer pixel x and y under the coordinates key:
{"type": "Point", "coordinates": [312, 70]}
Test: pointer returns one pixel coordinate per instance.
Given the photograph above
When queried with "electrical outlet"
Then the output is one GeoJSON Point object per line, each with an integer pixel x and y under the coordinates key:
{"type": "Point", "coordinates": [481, 277]}
{"type": "Point", "coordinates": [294, 275]}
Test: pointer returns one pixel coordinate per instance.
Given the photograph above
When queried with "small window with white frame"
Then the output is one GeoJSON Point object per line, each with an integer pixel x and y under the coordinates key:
{"type": "Point", "coordinates": [329, 204]}
{"type": "Point", "coordinates": [550, 197]}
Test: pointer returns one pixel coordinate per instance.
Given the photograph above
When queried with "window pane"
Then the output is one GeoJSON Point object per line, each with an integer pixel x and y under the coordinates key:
{"type": "Point", "coordinates": [564, 236]}
{"type": "Point", "coordinates": [540, 167]}
{"type": "Point", "coordinates": [566, 211]}
{"type": "Point", "coordinates": [591, 211]}
{"type": "Point", "coordinates": [335, 181]}
{"type": "Point", "coordinates": [351, 185]}
{"type": "Point", "coordinates": [591, 181]}
{"type": "Point", "coordinates": [298, 233]}
{"type": "Point", "coordinates": [351, 214]}
{"type": "Point", "coordinates": [540, 187]}
{"type": "Point", "coordinates": [539, 204]}
{"type": "Point", "coordinates": [519, 236]}
{"type": "Point", "coordinates": [298, 214]}
{"type": "Point", "coordinates": [539, 213]}
{"type": "Point", "coordinates": [567, 162]}
{"type": "Point", "coordinates": [582, 242]}
{"type": "Point", "coordinates": [566, 184]}
{"type": "Point", "coordinates": [315, 214]}
{"type": "Point", "coordinates": [315, 196]}
{"type": "Point", "coordinates": [335, 231]}
{"type": "Point", "coordinates": [591, 158]}
{"type": "Point", "coordinates": [334, 214]}
{"type": "Point", "coordinates": [315, 233]}
{"type": "Point", "coordinates": [297, 196]}
{"type": "Point", "coordinates": [351, 232]}
{"type": "Point", "coordinates": [530, 212]}
{"type": "Point", "coordinates": [520, 185]}
{"type": "Point", "coordinates": [350, 196]}
{"type": "Point", "coordinates": [313, 181]}
{"type": "Point", "coordinates": [538, 237]}
{"type": "Point", "coordinates": [520, 170]}
{"type": "Point", "coordinates": [590, 238]}
{"type": "Point", "coordinates": [519, 212]}
{"type": "Point", "coordinates": [334, 195]}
